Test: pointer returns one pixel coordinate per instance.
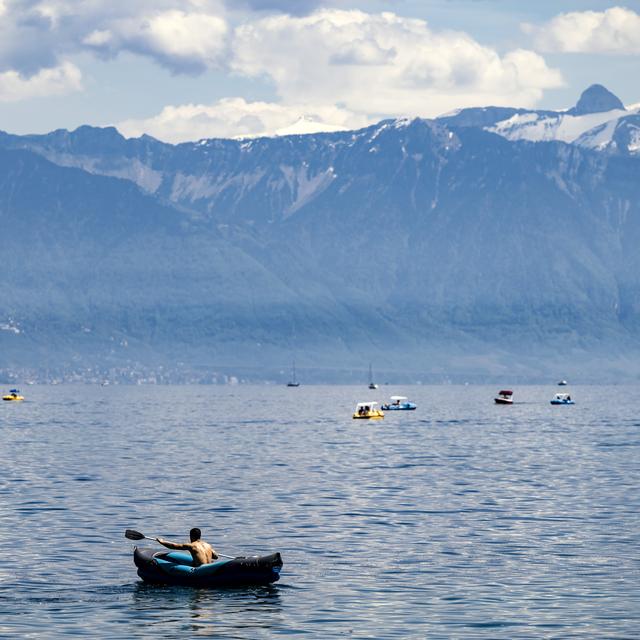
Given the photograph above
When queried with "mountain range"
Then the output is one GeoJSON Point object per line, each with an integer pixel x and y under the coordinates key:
{"type": "Point", "coordinates": [490, 244]}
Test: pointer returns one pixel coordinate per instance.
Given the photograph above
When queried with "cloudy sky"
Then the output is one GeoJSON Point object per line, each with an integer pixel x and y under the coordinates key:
{"type": "Point", "coordinates": [189, 69]}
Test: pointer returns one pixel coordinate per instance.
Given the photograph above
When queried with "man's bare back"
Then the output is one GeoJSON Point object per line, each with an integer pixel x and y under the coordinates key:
{"type": "Point", "coordinates": [201, 552]}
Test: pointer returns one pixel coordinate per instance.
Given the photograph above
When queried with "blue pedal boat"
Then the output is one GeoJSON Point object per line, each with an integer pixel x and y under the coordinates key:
{"type": "Point", "coordinates": [399, 403]}
{"type": "Point", "coordinates": [562, 398]}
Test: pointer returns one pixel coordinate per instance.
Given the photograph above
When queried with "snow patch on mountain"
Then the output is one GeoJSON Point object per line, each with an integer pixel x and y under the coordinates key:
{"type": "Point", "coordinates": [599, 137]}
{"type": "Point", "coordinates": [634, 144]}
{"type": "Point", "coordinates": [596, 131]}
{"type": "Point", "coordinates": [594, 123]}
{"type": "Point", "coordinates": [563, 127]}
{"type": "Point", "coordinates": [616, 136]}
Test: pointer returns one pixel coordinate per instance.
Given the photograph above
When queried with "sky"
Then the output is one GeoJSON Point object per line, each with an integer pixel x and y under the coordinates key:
{"type": "Point", "coordinates": [192, 69]}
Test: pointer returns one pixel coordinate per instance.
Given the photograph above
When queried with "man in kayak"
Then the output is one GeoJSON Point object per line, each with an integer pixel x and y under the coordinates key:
{"type": "Point", "coordinates": [201, 552]}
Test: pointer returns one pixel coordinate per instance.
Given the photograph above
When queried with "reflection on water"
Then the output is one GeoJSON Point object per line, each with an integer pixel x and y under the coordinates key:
{"type": "Point", "coordinates": [254, 609]}
{"type": "Point", "coordinates": [461, 519]}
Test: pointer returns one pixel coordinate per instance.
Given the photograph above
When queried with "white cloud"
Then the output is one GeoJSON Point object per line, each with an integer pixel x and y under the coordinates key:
{"type": "Point", "coordinates": [60, 80]}
{"type": "Point", "coordinates": [36, 33]}
{"type": "Point", "coordinates": [616, 30]}
{"type": "Point", "coordinates": [384, 64]}
{"type": "Point", "coordinates": [98, 38]}
{"type": "Point", "coordinates": [183, 42]}
{"type": "Point", "coordinates": [340, 68]}
{"type": "Point", "coordinates": [235, 117]}
{"type": "Point", "coordinates": [345, 69]}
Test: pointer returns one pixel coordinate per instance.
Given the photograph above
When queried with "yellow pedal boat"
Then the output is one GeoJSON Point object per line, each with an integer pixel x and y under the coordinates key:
{"type": "Point", "coordinates": [13, 396]}
{"type": "Point", "coordinates": [367, 411]}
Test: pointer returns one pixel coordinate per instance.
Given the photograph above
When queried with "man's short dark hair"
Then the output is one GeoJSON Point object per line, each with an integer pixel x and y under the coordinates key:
{"type": "Point", "coordinates": [195, 534]}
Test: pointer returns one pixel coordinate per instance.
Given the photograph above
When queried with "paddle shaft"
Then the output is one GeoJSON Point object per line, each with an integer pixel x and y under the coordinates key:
{"type": "Point", "coordinates": [141, 536]}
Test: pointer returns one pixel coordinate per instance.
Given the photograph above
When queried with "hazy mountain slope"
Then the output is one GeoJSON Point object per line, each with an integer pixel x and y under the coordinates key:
{"type": "Point", "coordinates": [469, 242]}
{"type": "Point", "coordinates": [95, 268]}
{"type": "Point", "coordinates": [421, 245]}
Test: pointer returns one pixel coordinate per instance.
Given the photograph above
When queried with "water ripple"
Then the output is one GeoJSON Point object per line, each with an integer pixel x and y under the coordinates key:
{"type": "Point", "coordinates": [459, 520]}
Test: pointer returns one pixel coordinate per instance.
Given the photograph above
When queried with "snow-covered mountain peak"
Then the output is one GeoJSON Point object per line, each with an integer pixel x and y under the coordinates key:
{"type": "Point", "coordinates": [307, 125]}
{"type": "Point", "coordinates": [594, 123]}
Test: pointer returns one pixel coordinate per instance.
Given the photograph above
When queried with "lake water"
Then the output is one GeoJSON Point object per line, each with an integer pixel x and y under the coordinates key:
{"type": "Point", "coordinates": [459, 520]}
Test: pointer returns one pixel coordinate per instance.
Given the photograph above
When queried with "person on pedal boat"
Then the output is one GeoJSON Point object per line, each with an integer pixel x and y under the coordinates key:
{"type": "Point", "coordinates": [201, 552]}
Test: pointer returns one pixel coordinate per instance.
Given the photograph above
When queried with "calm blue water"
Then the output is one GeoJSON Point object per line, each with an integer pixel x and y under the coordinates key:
{"type": "Point", "coordinates": [459, 520]}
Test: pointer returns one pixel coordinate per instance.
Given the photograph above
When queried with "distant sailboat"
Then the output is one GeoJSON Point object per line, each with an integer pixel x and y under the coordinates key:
{"type": "Point", "coordinates": [372, 384]}
{"type": "Point", "coordinates": [293, 382]}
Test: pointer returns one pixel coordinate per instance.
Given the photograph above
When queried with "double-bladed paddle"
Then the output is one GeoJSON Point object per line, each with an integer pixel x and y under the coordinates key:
{"type": "Point", "coordinates": [136, 535]}
{"type": "Point", "coordinates": [130, 534]}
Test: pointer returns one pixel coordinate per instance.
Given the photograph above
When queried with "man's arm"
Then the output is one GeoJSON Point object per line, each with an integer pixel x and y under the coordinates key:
{"type": "Point", "coordinates": [178, 546]}
{"type": "Point", "coordinates": [214, 555]}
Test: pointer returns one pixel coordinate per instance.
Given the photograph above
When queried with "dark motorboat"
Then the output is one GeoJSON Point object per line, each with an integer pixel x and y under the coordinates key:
{"type": "Point", "coordinates": [504, 397]}
{"type": "Point", "coordinates": [176, 567]}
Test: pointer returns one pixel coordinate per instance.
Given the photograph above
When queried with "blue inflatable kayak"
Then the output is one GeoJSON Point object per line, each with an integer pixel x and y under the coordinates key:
{"type": "Point", "coordinates": [176, 567]}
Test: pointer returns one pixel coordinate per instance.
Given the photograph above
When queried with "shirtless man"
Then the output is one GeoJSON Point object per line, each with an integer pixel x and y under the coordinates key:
{"type": "Point", "coordinates": [201, 552]}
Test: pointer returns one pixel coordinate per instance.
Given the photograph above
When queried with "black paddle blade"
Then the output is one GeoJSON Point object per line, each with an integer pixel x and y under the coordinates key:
{"type": "Point", "coordinates": [133, 535]}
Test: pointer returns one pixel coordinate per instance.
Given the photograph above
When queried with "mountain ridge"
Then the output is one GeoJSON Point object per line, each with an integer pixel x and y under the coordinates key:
{"type": "Point", "coordinates": [432, 247]}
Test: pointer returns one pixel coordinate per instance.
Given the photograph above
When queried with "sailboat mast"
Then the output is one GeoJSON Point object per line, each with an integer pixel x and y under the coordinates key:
{"type": "Point", "coordinates": [372, 384]}
{"type": "Point", "coordinates": [293, 382]}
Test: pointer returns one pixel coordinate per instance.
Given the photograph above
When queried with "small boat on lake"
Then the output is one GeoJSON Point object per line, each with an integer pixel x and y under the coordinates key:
{"type": "Point", "coordinates": [176, 568]}
{"type": "Point", "coordinates": [504, 397]}
{"type": "Point", "coordinates": [367, 411]}
{"type": "Point", "coordinates": [372, 384]}
{"type": "Point", "coordinates": [13, 396]}
{"type": "Point", "coordinates": [562, 398]}
{"type": "Point", "coordinates": [399, 403]}
{"type": "Point", "coordinates": [563, 383]}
